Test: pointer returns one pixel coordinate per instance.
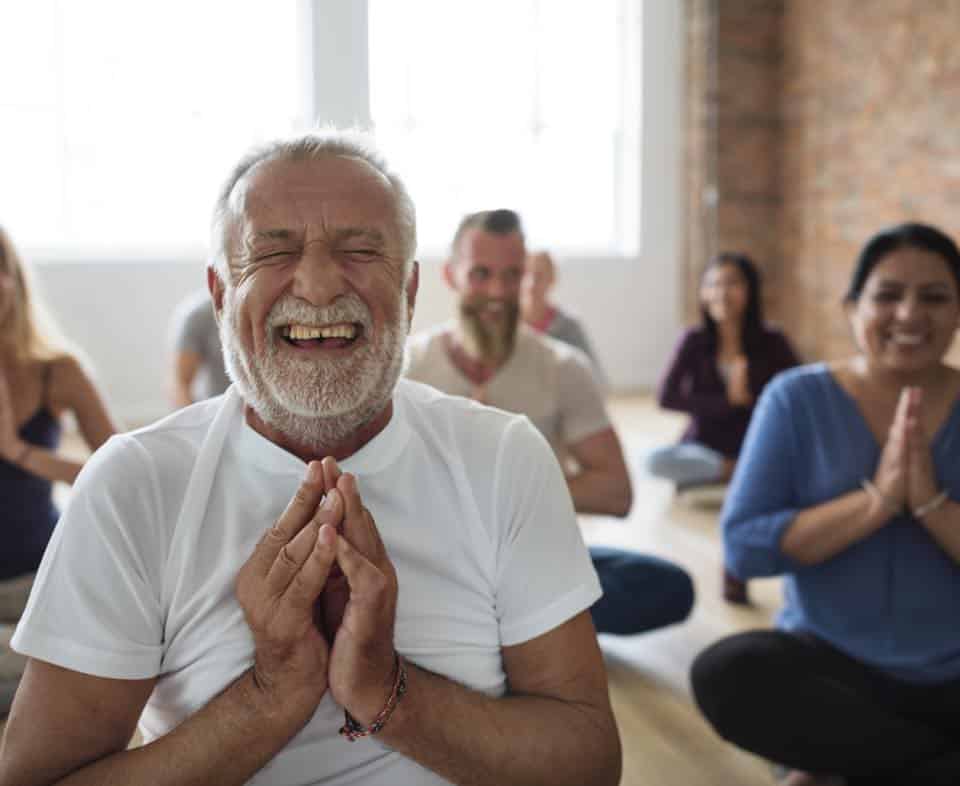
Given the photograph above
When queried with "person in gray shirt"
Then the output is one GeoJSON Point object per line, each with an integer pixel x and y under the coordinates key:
{"type": "Point", "coordinates": [198, 371]}
{"type": "Point", "coordinates": [546, 317]}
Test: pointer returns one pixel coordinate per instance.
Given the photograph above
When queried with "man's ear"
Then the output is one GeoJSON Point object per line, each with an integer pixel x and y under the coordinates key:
{"type": "Point", "coordinates": [448, 274]}
{"type": "Point", "coordinates": [413, 284]}
{"type": "Point", "coordinates": [215, 286]}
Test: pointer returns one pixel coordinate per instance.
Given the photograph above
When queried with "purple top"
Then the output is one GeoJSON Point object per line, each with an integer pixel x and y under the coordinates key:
{"type": "Point", "coordinates": [693, 384]}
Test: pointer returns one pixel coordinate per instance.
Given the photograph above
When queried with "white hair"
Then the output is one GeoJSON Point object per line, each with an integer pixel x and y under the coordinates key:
{"type": "Point", "coordinates": [338, 143]}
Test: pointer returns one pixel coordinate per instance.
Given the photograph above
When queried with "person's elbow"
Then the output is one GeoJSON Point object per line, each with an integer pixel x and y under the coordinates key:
{"type": "Point", "coordinates": [609, 769]}
{"type": "Point", "coordinates": [603, 753]}
{"type": "Point", "coordinates": [749, 561]}
{"type": "Point", "coordinates": [623, 498]}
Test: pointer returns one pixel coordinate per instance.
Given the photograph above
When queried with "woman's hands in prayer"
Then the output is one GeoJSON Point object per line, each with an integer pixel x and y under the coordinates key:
{"type": "Point", "coordinates": [921, 475]}
{"type": "Point", "coordinates": [738, 382]}
{"type": "Point", "coordinates": [905, 474]}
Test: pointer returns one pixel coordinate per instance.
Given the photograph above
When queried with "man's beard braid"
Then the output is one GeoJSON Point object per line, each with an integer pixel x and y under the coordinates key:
{"type": "Point", "coordinates": [492, 342]}
{"type": "Point", "coordinates": [316, 404]}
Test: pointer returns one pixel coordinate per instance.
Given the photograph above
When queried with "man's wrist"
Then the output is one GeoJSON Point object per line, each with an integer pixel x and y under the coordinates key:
{"type": "Point", "coordinates": [354, 728]}
{"type": "Point", "coordinates": [17, 451]}
{"type": "Point", "coordinates": [269, 700]}
{"type": "Point", "coordinates": [368, 705]}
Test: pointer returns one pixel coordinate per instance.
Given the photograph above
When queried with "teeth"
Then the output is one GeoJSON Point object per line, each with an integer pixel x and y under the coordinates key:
{"type": "Point", "coordinates": [912, 340]}
{"type": "Point", "coordinates": [305, 332]}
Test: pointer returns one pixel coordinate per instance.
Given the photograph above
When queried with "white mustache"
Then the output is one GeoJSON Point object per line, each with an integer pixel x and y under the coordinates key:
{"type": "Point", "coordinates": [348, 308]}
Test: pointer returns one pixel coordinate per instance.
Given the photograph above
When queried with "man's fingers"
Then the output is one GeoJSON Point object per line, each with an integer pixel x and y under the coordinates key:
{"type": "Point", "coordinates": [307, 584]}
{"type": "Point", "coordinates": [370, 590]}
{"type": "Point", "coordinates": [331, 472]}
{"type": "Point", "coordinates": [294, 554]}
{"type": "Point", "coordinates": [358, 525]}
{"type": "Point", "coordinates": [298, 512]}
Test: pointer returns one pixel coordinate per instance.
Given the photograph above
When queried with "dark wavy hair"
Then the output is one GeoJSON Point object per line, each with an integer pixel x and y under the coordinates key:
{"type": "Point", "coordinates": [908, 235]}
{"type": "Point", "coordinates": [753, 329]}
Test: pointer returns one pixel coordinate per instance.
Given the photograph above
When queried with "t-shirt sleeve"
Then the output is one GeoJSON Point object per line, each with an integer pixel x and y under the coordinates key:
{"type": "Point", "coordinates": [545, 576]}
{"type": "Point", "coordinates": [188, 330]}
{"type": "Point", "coordinates": [582, 408]}
{"type": "Point", "coordinates": [95, 606]}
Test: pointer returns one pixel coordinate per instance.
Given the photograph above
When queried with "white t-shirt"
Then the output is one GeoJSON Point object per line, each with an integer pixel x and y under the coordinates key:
{"type": "Point", "coordinates": [138, 579]}
{"type": "Point", "coordinates": [550, 382]}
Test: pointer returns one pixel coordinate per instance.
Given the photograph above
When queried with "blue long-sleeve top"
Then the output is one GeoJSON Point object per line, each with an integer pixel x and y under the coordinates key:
{"type": "Point", "coordinates": [891, 600]}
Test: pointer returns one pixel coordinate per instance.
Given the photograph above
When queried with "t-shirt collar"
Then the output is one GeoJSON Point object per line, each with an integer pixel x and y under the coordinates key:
{"type": "Point", "coordinates": [373, 457]}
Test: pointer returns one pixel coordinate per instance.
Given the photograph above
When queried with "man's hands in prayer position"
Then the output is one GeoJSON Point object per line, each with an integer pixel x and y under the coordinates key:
{"type": "Point", "coordinates": [319, 594]}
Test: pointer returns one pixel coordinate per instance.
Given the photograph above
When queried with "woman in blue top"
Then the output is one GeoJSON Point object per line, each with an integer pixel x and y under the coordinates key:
{"type": "Point", "coordinates": [38, 383]}
{"type": "Point", "coordinates": [848, 485]}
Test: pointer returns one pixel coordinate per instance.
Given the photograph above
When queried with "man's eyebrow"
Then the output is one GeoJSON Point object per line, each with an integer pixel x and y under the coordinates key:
{"type": "Point", "coordinates": [361, 233]}
{"type": "Point", "coordinates": [272, 234]}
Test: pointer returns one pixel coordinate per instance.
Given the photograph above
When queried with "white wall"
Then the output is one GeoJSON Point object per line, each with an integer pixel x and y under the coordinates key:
{"type": "Point", "coordinates": [118, 311]}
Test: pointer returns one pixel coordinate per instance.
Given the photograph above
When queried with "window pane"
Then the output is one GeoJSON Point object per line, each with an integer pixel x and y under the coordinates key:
{"type": "Point", "coordinates": [509, 103]}
{"type": "Point", "coordinates": [123, 118]}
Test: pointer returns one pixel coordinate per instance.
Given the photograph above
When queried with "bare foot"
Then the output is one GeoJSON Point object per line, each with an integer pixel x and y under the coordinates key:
{"type": "Point", "coordinates": [798, 778]}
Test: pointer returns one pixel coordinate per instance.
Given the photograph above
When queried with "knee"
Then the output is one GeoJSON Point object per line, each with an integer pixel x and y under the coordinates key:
{"type": "Point", "coordinates": [678, 587]}
{"type": "Point", "coordinates": [725, 676]}
{"type": "Point", "coordinates": [659, 462]}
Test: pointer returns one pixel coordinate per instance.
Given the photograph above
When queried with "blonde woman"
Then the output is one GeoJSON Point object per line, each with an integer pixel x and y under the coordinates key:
{"type": "Point", "coordinates": [39, 382]}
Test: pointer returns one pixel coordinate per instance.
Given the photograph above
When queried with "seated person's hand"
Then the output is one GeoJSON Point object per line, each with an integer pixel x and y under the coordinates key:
{"type": "Point", "coordinates": [363, 659]}
{"type": "Point", "coordinates": [277, 588]}
{"type": "Point", "coordinates": [738, 383]}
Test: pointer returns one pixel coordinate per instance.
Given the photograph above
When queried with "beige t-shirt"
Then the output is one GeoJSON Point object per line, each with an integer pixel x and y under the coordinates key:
{"type": "Point", "coordinates": [548, 381]}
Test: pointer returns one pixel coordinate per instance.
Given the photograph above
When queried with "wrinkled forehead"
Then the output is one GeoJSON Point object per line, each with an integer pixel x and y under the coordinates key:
{"type": "Point", "coordinates": [315, 195]}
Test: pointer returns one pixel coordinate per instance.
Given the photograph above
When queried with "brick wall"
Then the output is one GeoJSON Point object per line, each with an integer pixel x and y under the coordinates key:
{"type": "Point", "coordinates": [833, 118]}
{"type": "Point", "coordinates": [733, 141]}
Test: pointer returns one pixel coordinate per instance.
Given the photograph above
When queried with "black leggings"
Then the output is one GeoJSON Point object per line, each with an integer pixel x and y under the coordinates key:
{"type": "Point", "coordinates": [795, 700]}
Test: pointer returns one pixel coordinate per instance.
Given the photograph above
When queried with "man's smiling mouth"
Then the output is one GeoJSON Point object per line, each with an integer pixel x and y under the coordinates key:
{"type": "Point", "coordinates": [341, 334]}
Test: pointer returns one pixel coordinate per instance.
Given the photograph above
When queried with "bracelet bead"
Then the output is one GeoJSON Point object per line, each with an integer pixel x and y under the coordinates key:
{"type": "Point", "coordinates": [353, 730]}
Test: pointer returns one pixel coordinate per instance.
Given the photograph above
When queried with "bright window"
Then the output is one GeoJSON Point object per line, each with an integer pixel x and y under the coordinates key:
{"type": "Point", "coordinates": [526, 104]}
{"type": "Point", "coordinates": [121, 119]}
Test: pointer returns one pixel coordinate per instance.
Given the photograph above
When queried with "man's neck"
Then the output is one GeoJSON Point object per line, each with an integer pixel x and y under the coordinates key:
{"type": "Point", "coordinates": [468, 359]}
{"type": "Point", "coordinates": [307, 453]}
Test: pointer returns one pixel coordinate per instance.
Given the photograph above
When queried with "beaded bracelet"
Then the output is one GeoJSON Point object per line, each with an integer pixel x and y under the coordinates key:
{"type": "Point", "coordinates": [353, 730]}
{"type": "Point", "coordinates": [929, 507]}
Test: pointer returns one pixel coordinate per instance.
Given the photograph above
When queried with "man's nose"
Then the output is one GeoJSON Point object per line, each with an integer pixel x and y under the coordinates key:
{"type": "Point", "coordinates": [318, 278]}
{"type": "Point", "coordinates": [501, 289]}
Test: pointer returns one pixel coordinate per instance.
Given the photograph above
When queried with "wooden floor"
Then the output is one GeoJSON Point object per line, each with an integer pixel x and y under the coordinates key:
{"type": "Point", "coordinates": [665, 741]}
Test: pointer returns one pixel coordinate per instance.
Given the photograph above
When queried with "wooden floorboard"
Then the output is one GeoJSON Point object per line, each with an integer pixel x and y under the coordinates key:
{"type": "Point", "coordinates": [665, 740]}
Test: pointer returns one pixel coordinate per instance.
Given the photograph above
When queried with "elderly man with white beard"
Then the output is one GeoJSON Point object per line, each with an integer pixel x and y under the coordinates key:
{"type": "Point", "coordinates": [326, 575]}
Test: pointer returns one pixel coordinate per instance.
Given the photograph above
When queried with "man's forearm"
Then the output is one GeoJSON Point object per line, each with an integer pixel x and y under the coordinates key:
{"type": "Point", "coordinates": [474, 740]}
{"type": "Point", "coordinates": [226, 743]}
{"type": "Point", "coordinates": [601, 492]}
